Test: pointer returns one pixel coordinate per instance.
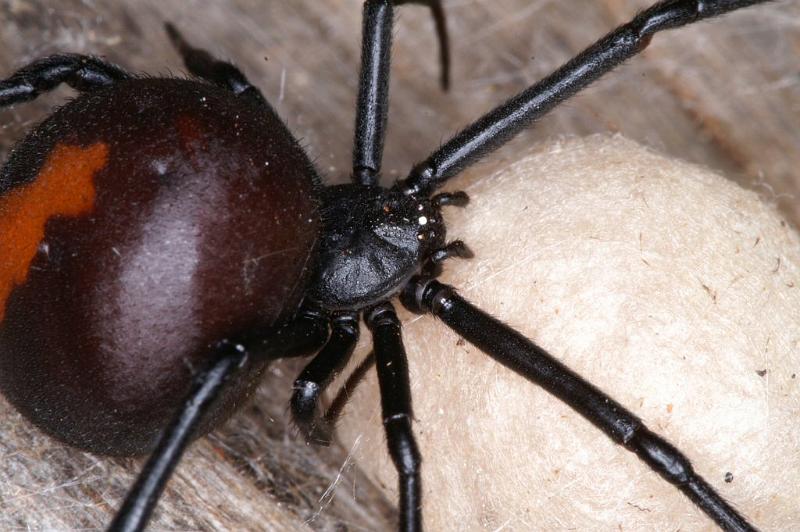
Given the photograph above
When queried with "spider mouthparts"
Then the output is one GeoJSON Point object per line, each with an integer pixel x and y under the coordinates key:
{"type": "Point", "coordinates": [456, 248]}
{"type": "Point", "coordinates": [455, 199]}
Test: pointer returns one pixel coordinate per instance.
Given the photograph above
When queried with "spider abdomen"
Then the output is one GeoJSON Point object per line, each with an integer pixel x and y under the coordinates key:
{"type": "Point", "coordinates": [138, 225]}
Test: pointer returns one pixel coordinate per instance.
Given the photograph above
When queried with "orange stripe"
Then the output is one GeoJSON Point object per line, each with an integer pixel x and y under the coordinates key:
{"type": "Point", "coordinates": [64, 187]}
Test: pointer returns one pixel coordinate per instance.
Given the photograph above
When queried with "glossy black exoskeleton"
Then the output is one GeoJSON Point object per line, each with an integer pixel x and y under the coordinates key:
{"type": "Point", "coordinates": [373, 241]}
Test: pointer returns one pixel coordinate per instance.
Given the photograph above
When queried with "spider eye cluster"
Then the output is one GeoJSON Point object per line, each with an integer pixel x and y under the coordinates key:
{"type": "Point", "coordinates": [429, 222]}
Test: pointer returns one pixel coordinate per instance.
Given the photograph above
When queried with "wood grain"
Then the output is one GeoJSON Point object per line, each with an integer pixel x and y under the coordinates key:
{"type": "Point", "coordinates": [724, 94]}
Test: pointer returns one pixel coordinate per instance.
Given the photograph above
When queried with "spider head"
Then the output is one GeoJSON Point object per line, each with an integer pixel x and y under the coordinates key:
{"type": "Point", "coordinates": [373, 241]}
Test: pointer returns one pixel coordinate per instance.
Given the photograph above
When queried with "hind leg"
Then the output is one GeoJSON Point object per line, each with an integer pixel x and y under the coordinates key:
{"type": "Point", "coordinates": [81, 72]}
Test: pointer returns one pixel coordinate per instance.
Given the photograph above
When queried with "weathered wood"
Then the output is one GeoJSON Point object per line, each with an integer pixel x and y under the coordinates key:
{"type": "Point", "coordinates": [725, 94]}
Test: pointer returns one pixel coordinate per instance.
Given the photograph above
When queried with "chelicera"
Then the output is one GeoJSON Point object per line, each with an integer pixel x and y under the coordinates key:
{"type": "Point", "coordinates": [123, 301]}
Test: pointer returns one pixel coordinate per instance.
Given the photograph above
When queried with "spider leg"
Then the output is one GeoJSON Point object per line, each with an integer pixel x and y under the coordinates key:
{"type": "Point", "coordinates": [348, 388]}
{"type": "Point", "coordinates": [501, 124]}
{"type": "Point", "coordinates": [143, 496]}
{"type": "Point", "coordinates": [203, 65]}
{"type": "Point", "coordinates": [302, 336]}
{"type": "Point", "coordinates": [318, 374]}
{"type": "Point", "coordinates": [81, 72]}
{"type": "Point", "coordinates": [440, 21]}
{"type": "Point", "coordinates": [373, 86]}
{"type": "Point", "coordinates": [305, 333]}
{"type": "Point", "coordinates": [519, 354]}
{"type": "Point", "coordinates": [392, 367]}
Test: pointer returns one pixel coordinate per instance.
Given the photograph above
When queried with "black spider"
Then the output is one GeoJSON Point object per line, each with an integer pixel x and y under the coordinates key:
{"type": "Point", "coordinates": [374, 244]}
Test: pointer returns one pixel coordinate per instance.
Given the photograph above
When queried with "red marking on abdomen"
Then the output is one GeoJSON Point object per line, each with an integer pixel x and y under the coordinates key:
{"type": "Point", "coordinates": [63, 187]}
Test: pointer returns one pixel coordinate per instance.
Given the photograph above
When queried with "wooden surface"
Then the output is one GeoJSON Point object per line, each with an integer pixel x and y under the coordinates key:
{"type": "Point", "coordinates": [724, 94]}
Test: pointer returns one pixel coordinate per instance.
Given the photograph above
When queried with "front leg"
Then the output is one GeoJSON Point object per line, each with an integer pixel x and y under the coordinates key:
{"type": "Point", "coordinates": [372, 105]}
{"type": "Point", "coordinates": [527, 359]}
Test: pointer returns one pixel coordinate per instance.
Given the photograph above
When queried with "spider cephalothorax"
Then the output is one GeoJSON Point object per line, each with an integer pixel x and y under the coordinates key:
{"type": "Point", "coordinates": [374, 240]}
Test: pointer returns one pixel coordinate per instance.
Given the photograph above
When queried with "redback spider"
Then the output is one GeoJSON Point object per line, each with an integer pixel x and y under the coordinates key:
{"type": "Point", "coordinates": [411, 519]}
